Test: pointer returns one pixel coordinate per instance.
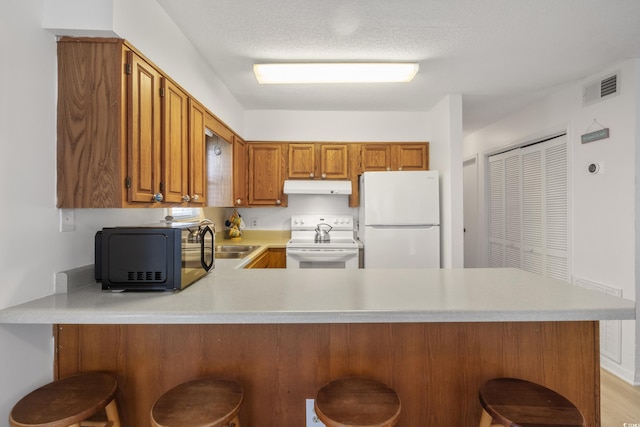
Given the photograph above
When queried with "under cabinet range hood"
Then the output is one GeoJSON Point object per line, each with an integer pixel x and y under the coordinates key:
{"type": "Point", "coordinates": [307, 186]}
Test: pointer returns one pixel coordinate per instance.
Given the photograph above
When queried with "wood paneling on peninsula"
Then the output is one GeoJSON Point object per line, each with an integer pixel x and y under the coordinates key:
{"type": "Point", "coordinates": [436, 368]}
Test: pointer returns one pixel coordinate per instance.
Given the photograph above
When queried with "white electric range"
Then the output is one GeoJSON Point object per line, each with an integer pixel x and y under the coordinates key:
{"type": "Point", "coordinates": [335, 248]}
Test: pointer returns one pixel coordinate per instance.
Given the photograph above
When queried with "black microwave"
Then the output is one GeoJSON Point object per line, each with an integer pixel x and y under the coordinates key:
{"type": "Point", "coordinates": [163, 257]}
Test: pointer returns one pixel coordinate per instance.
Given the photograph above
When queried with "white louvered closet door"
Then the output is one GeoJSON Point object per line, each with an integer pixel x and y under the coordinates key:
{"type": "Point", "coordinates": [496, 211]}
{"type": "Point", "coordinates": [556, 198]}
{"type": "Point", "coordinates": [528, 211]}
{"type": "Point", "coordinates": [504, 232]}
{"type": "Point", "coordinates": [532, 206]}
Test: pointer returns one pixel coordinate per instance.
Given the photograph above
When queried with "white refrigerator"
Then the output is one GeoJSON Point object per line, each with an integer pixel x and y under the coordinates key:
{"type": "Point", "coordinates": [399, 219]}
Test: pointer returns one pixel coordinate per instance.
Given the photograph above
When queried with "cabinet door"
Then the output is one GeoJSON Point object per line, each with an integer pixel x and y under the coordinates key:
{"type": "Point", "coordinates": [334, 161]}
{"type": "Point", "coordinates": [410, 157]}
{"type": "Point", "coordinates": [302, 161]}
{"type": "Point", "coordinates": [266, 174]}
{"type": "Point", "coordinates": [277, 258]}
{"type": "Point", "coordinates": [197, 154]}
{"type": "Point", "coordinates": [175, 153]}
{"type": "Point", "coordinates": [262, 261]}
{"type": "Point", "coordinates": [145, 131]}
{"type": "Point", "coordinates": [239, 172]}
{"type": "Point", "coordinates": [376, 157]}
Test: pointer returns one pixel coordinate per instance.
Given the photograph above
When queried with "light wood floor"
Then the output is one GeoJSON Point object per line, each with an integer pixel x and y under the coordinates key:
{"type": "Point", "coordinates": [619, 402]}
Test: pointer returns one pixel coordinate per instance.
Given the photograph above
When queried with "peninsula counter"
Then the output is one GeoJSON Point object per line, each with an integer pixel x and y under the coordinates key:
{"type": "Point", "coordinates": [433, 335]}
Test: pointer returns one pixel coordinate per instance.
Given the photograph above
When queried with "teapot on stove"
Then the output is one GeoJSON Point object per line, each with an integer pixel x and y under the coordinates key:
{"type": "Point", "coordinates": [322, 233]}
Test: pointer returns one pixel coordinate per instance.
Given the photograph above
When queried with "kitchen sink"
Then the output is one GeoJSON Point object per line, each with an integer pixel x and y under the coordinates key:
{"type": "Point", "coordinates": [233, 251]}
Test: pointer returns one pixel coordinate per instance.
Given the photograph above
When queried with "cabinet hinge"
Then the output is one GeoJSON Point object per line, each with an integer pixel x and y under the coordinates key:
{"type": "Point", "coordinates": [127, 68]}
{"type": "Point", "coordinates": [127, 182]}
{"type": "Point", "coordinates": [161, 91]}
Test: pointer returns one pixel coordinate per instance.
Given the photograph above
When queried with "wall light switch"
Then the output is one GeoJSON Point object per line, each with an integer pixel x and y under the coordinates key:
{"type": "Point", "coordinates": [312, 419]}
{"type": "Point", "coordinates": [67, 220]}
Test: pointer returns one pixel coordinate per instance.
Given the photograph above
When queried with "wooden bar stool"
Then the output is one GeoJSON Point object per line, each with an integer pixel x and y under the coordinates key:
{"type": "Point", "coordinates": [203, 402]}
{"type": "Point", "coordinates": [69, 401]}
{"type": "Point", "coordinates": [357, 402]}
{"type": "Point", "coordinates": [512, 402]}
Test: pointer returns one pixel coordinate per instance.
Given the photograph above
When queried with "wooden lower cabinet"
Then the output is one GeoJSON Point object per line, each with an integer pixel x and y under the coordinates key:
{"type": "Point", "coordinates": [277, 258]}
{"type": "Point", "coordinates": [271, 258]}
{"type": "Point", "coordinates": [261, 261]}
{"type": "Point", "coordinates": [436, 368]}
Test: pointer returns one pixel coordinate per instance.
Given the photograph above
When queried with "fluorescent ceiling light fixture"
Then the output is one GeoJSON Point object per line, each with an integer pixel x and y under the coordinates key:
{"type": "Point", "coordinates": [381, 72]}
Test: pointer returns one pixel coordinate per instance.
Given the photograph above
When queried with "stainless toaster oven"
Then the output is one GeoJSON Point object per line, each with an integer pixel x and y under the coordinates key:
{"type": "Point", "coordinates": [163, 257]}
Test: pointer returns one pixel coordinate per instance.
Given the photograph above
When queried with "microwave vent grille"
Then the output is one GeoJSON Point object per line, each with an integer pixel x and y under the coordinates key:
{"type": "Point", "coordinates": [145, 276]}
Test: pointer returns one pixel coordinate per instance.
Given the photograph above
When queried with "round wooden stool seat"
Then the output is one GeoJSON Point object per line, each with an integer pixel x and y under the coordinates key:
{"type": "Point", "coordinates": [513, 402]}
{"type": "Point", "coordinates": [357, 402]}
{"type": "Point", "coordinates": [67, 402]}
{"type": "Point", "coordinates": [203, 402]}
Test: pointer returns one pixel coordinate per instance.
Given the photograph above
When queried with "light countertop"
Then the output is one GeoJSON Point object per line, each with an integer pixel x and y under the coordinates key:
{"type": "Point", "coordinates": [264, 239]}
{"type": "Point", "coordinates": [239, 296]}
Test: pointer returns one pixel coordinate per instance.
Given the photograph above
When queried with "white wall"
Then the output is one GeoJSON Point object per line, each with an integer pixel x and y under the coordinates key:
{"type": "Point", "coordinates": [446, 157]}
{"type": "Point", "coordinates": [279, 218]}
{"type": "Point", "coordinates": [603, 206]}
{"type": "Point", "coordinates": [339, 126]}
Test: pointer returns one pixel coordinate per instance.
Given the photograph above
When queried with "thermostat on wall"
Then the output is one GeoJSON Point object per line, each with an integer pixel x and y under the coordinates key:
{"type": "Point", "coordinates": [596, 168]}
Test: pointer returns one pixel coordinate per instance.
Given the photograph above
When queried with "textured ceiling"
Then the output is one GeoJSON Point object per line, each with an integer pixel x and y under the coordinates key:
{"type": "Point", "coordinates": [499, 54]}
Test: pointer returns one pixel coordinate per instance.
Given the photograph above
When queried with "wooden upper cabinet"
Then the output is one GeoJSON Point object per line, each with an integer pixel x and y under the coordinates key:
{"type": "Point", "coordinates": [322, 161]}
{"type": "Point", "coordinates": [239, 172]}
{"type": "Point", "coordinates": [376, 157]}
{"type": "Point", "coordinates": [91, 142]}
{"type": "Point", "coordinates": [334, 161]}
{"type": "Point", "coordinates": [395, 157]}
{"type": "Point", "coordinates": [410, 157]}
{"type": "Point", "coordinates": [302, 161]}
{"type": "Point", "coordinates": [175, 150]}
{"type": "Point", "coordinates": [144, 153]}
{"type": "Point", "coordinates": [267, 171]}
{"type": "Point", "coordinates": [197, 154]}
{"type": "Point", "coordinates": [124, 136]}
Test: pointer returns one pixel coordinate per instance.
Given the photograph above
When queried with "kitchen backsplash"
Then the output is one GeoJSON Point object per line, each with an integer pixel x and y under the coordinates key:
{"type": "Point", "coordinates": [278, 218]}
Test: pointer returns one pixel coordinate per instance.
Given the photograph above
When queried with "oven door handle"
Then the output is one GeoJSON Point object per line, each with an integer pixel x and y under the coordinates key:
{"type": "Point", "coordinates": [324, 255]}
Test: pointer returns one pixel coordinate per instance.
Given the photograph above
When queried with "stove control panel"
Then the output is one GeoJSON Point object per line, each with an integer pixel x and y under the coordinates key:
{"type": "Point", "coordinates": [308, 222]}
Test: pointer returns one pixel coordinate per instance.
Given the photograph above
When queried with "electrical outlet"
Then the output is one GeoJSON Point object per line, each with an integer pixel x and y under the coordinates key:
{"type": "Point", "coordinates": [254, 222]}
{"type": "Point", "coordinates": [67, 220]}
{"type": "Point", "coordinates": [312, 418]}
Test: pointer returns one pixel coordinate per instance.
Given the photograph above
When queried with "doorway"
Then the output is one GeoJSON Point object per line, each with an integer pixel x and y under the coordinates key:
{"type": "Point", "coordinates": [470, 212]}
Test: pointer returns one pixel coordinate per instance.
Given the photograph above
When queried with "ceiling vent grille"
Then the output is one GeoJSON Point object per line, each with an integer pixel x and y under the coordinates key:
{"type": "Point", "coordinates": [598, 90]}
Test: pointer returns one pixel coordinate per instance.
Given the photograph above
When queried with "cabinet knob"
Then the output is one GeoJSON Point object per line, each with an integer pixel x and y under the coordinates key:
{"type": "Point", "coordinates": [278, 202]}
{"type": "Point", "coordinates": [195, 198]}
{"type": "Point", "coordinates": [157, 197]}
{"type": "Point", "coordinates": [388, 168]}
{"type": "Point", "coordinates": [400, 168]}
{"type": "Point", "coordinates": [238, 201]}
{"type": "Point", "coordinates": [324, 175]}
{"type": "Point", "coordinates": [186, 198]}
{"type": "Point", "coordinates": [311, 175]}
